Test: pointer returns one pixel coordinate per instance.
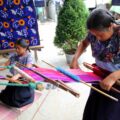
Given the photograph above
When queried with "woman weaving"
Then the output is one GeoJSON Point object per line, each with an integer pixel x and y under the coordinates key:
{"type": "Point", "coordinates": [104, 38]}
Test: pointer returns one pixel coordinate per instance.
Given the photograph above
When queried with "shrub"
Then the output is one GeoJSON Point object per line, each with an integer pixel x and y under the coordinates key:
{"type": "Point", "coordinates": [71, 27]}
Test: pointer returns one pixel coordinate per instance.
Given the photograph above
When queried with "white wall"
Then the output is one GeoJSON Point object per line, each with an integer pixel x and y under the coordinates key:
{"type": "Point", "coordinates": [94, 3]}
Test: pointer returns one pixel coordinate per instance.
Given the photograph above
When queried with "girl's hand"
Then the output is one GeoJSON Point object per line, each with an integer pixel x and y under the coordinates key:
{"type": "Point", "coordinates": [13, 81]}
{"type": "Point", "coordinates": [14, 78]}
{"type": "Point", "coordinates": [109, 81]}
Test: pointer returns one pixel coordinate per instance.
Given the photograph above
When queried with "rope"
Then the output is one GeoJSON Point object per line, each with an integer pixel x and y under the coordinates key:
{"type": "Point", "coordinates": [31, 84]}
{"type": "Point", "coordinates": [7, 67]}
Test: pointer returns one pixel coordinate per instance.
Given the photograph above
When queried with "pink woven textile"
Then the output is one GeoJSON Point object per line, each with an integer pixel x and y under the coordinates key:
{"type": "Point", "coordinates": [56, 75]}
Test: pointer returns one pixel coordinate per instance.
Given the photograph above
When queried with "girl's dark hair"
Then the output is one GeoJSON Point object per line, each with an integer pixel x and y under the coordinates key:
{"type": "Point", "coordinates": [100, 19]}
{"type": "Point", "coordinates": [23, 43]}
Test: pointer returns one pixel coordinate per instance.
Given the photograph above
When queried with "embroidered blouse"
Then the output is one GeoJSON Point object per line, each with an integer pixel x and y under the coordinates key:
{"type": "Point", "coordinates": [26, 59]}
{"type": "Point", "coordinates": [107, 51]}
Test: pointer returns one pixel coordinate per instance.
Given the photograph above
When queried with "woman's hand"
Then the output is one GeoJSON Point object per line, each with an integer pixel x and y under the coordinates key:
{"type": "Point", "coordinates": [82, 46]}
{"type": "Point", "coordinates": [110, 80]}
{"type": "Point", "coordinates": [74, 64]}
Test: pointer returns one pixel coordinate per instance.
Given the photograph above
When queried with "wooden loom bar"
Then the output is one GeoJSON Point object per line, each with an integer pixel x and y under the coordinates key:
{"type": "Point", "coordinates": [13, 50]}
{"type": "Point", "coordinates": [28, 77]}
{"type": "Point", "coordinates": [99, 72]}
{"type": "Point", "coordinates": [92, 87]}
{"type": "Point", "coordinates": [61, 82]}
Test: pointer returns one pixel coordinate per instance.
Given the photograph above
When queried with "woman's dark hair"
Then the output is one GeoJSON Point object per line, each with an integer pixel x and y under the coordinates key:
{"type": "Point", "coordinates": [100, 19]}
{"type": "Point", "coordinates": [23, 43]}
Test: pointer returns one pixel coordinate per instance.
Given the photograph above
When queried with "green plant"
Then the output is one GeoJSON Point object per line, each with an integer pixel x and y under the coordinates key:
{"type": "Point", "coordinates": [71, 25]}
{"type": "Point", "coordinates": [70, 46]}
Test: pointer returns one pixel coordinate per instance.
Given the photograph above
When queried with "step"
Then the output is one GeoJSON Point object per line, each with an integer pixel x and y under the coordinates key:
{"type": "Point", "coordinates": [24, 113]}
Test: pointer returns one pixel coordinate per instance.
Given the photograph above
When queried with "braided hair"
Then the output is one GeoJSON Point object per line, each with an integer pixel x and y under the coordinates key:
{"type": "Point", "coordinates": [23, 43]}
{"type": "Point", "coordinates": [100, 19]}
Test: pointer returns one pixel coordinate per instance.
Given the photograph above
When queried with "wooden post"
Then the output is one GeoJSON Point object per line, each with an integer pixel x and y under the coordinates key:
{"type": "Point", "coordinates": [35, 48]}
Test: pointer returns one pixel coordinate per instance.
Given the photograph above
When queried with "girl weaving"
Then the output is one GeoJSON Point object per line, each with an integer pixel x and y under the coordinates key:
{"type": "Point", "coordinates": [104, 37]}
{"type": "Point", "coordinates": [18, 96]}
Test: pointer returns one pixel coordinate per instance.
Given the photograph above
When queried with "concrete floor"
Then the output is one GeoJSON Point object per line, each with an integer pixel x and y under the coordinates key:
{"type": "Point", "coordinates": [59, 104]}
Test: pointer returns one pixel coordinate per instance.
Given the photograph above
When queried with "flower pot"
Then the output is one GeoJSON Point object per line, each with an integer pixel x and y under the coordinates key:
{"type": "Point", "coordinates": [69, 58]}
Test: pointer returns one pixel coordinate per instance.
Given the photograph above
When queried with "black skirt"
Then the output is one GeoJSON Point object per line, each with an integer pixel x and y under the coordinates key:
{"type": "Point", "coordinates": [99, 107]}
{"type": "Point", "coordinates": [17, 96]}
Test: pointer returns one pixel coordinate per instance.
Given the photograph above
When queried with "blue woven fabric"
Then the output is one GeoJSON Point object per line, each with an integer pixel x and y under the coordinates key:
{"type": "Point", "coordinates": [17, 20]}
{"type": "Point", "coordinates": [115, 2]}
{"type": "Point", "coordinates": [39, 3]}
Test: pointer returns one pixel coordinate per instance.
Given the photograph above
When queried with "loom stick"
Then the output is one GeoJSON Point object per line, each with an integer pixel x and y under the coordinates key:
{"type": "Point", "coordinates": [115, 90]}
{"type": "Point", "coordinates": [76, 78]}
{"type": "Point", "coordinates": [28, 77]}
{"type": "Point", "coordinates": [14, 81]}
{"type": "Point", "coordinates": [36, 85]}
{"type": "Point", "coordinates": [61, 82]}
{"type": "Point", "coordinates": [61, 85]}
{"type": "Point", "coordinates": [14, 84]}
{"type": "Point", "coordinates": [99, 71]}
{"type": "Point", "coordinates": [10, 80]}
{"type": "Point", "coordinates": [31, 84]}
{"type": "Point", "coordinates": [101, 74]}
{"type": "Point", "coordinates": [96, 70]}
{"type": "Point", "coordinates": [19, 71]}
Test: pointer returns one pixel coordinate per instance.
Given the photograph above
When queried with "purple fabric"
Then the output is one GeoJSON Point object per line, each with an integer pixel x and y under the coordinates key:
{"type": "Point", "coordinates": [2, 77]}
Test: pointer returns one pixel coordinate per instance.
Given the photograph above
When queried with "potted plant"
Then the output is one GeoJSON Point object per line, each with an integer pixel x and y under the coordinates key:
{"type": "Point", "coordinates": [69, 48]}
{"type": "Point", "coordinates": [71, 25]}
